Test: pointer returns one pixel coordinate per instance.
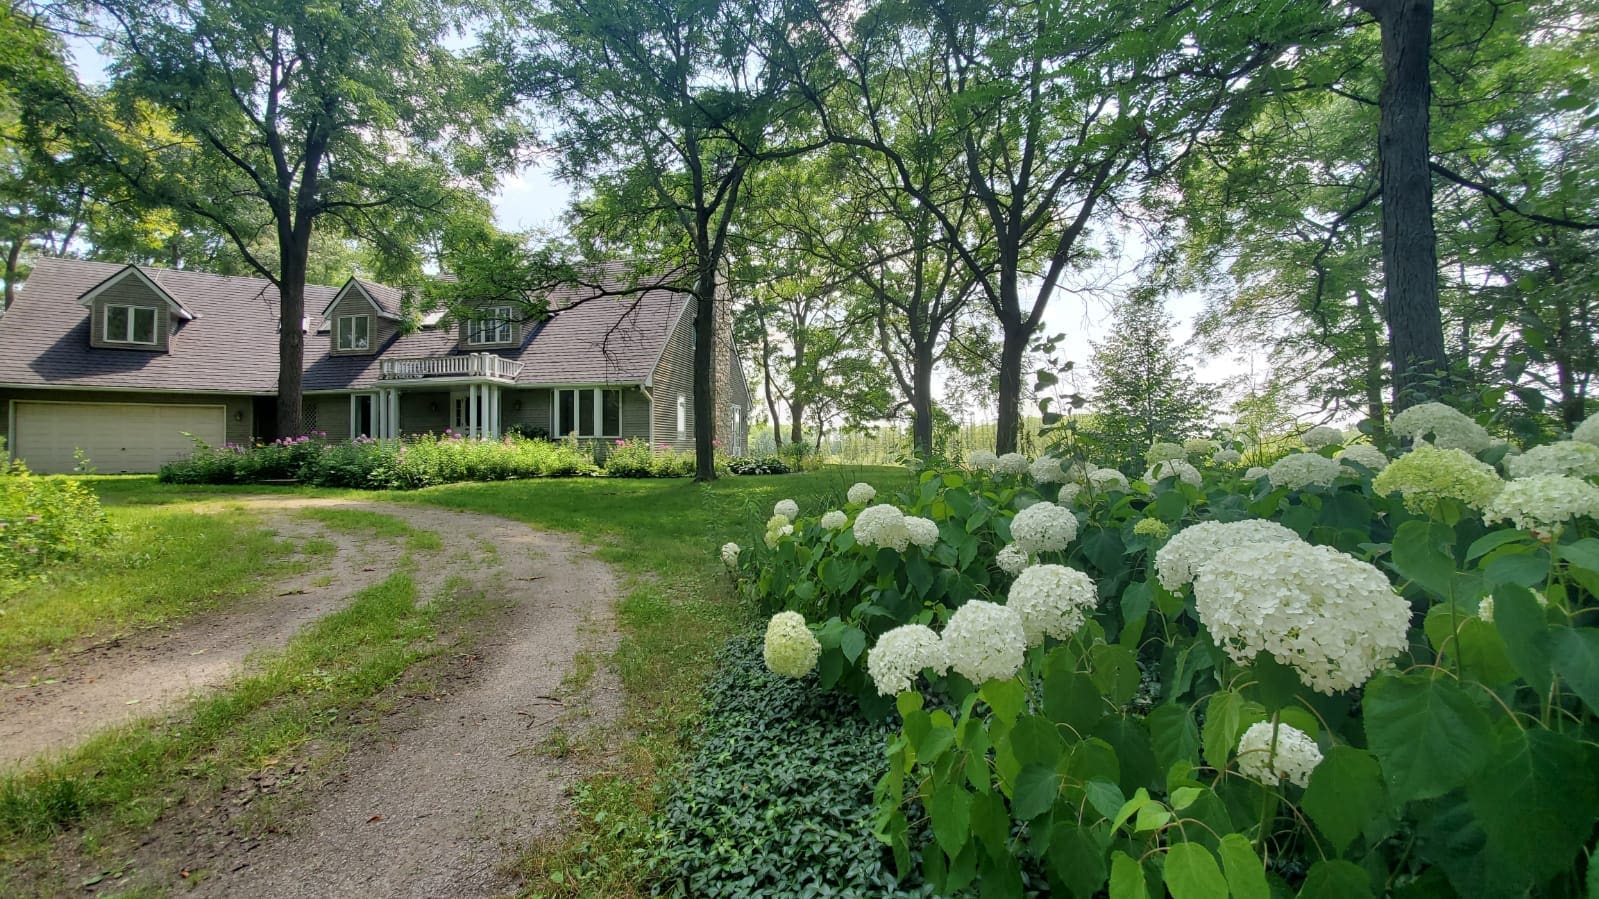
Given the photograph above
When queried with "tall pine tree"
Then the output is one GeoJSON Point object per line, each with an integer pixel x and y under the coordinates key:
{"type": "Point", "coordinates": [1145, 390]}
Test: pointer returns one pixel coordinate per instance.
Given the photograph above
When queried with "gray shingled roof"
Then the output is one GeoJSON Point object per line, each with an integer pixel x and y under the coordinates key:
{"type": "Point", "coordinates": [232, 345]}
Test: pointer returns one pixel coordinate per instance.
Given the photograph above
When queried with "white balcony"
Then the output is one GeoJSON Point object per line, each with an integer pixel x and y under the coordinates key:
{"type": "Point", "coordinates": [471, 365]}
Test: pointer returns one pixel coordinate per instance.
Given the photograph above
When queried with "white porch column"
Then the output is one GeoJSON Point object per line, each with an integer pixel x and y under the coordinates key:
{"type": "Point", "coordinates": [494, 412]}
{"type": "Point", "coordinates": [377, 415]}
{"type": "Point", "coordinates": [393, 418]}
{"type": "Point", "coordinates": [472, 397]}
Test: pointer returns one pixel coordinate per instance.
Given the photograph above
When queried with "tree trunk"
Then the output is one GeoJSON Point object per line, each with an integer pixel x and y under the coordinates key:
{"type": "Point", "coordinates": [922, 403]}
{"type": "Point", "coordinates": [1013, 349]}
{"type": "Point", "coordinates": [705, 371]}
{"type": "Point", "coordinates": [293, 254]}
{"type": "Point", "coordinates": [1409, 244]}
{"type": "Point", "coordinates": [13, 265]}
{"type": "Point", "coordinates": [1376, 409]}
{"type": "Point", "coordinates": [796, 415]}
{"type": "Point", "coordinates": [766, 384]}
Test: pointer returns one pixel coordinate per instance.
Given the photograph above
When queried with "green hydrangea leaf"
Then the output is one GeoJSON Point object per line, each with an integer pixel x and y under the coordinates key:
{"type": "Point", "coordinates": [1174, 735]}
{"type": "Point", "coordinates": [1346, 796]}
{"type": "Point", "coordinates": [1331, 879]}
{"type": "Point", "coordinates": [1427, 732]}
{"type": "Point", "coordinates": [1035, 791]}
{"type": "Point", "coordinates": [1192, 873]}
{"type": "Point", "coordinates": [950, 809]}
{"type": "Point", "coordinates": [1575, 655]}
{"type": "Point", "coordinates": [1246, 874]}
{"type": "Point", "coordinates": [1126, 877]}
{"type": "Point", "coordinates": [1540, 803]}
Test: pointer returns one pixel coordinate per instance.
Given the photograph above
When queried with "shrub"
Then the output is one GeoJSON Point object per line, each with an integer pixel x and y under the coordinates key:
{"type": "Point", "coordinates": [45, 520]}
{"type": "Point", "coordinates": [635, 458]}
{"type": "Point", "coordinates": [758, 465]}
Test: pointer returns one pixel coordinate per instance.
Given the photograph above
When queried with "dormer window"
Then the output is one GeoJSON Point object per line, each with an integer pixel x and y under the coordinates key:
{"type": "Point", "coordinates": [130, 324]}
{"type": "Point", "coordinates": [354, 332]}
{"type": "Point", "coordinates": [493, 327]}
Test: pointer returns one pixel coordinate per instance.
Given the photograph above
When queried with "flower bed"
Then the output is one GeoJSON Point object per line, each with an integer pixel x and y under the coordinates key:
{"type": "Point", "coordinates": [1336, 676]}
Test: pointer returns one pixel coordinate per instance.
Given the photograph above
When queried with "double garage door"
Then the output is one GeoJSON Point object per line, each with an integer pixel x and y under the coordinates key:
{"type": "Point", "coordinates": [114, 437]}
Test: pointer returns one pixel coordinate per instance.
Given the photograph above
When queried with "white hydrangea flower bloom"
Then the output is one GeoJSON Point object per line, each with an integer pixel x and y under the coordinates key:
{"type": "Point", "coordinates": [1012, 560]}
{"type": "Point", "coordinates": [1543, 503]}
{"type": "Point", "coordinates": [982, 460]}
{"type": "Point", "coordinates": [1302, 470]}
{"type": "Point", "coordinates": [1199, 446]}
{"type": "Point", "coordinates": [1044, 527]}
{"type": "Point", "coordinates": [1254, 473]}
{"type": "Point", "coordinates": [791, 649]}
{"type": "Point", "coordinates": [786, 508]}
{"type": "Point", "coordinates": [730, 552]}
{"type": "Point", "coordinates": [862, 493]}
{"type": "Point", "coordinates": [901, 654]}
{"type": "Point", "coordinates": [985, 642]}
{"type": "Point", "coordinates": [1177, 468]}
{"type": "Point", "coordinates": [834, 520]}
{"type": "Point", "coordinates": [1568, 457]}
{"type": "Point", "coordinates": [1323, 435]}
{"type": "Point", "coordinates": [1165, 452]}
{"type": "Point", "coordinates": [1180, 560]}
{"type": "Point", "coordinates": [1427, 476]}
{"type": "Point", "coordinates": [1048, 470]}
{"type": "Point", "coordinates": [1363, 454]}
{"type": "Point", "coordinates": [1226, 457]}
{"type": "Point", "coordinates": [1330, 616]}
{"type": "Point", "coordinates": [1448, 427]}
{"type": "Point", "coordinates": [1152, 527]}
{"type": "Point", "coordinates": [1105, 479]}
{"type": "Point", "coordinates": [777, 528]}
{"type": "Point", "coordinates": [1588, 431]}
{"type": "Point", "coordinates": [1052, 600]}
{"type": "Point", "coordinates": [923, 531]}
{"type": "Point", "coordinates": [1013, 463]}
{"type": "Point", "coordinates": [1068, 494]}
{"type": "Point", "coordinates": [884, 526]}
{"type": "Point", "coordinates": [1297, 754]}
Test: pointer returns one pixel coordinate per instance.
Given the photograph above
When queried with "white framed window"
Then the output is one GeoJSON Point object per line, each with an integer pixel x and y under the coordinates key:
{"type": "Point", "coordinates": [129, 324]}
{"type": "Point", "coordinates": [588, 412]}
{"type": "Point", "coordinates": [493, 327]}
{"type": "Point", "coordinates": [682, 415]}
{"type": "Point", "coordinates": [354, 332]}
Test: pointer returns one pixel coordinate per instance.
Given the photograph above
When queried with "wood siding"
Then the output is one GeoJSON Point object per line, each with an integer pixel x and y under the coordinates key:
{"type": "Point", "coordinates": [130, 291]}
{"type": "Point", "coordinates": [354, 302]}
{"type": "Point", "coordinates": [674, 377]}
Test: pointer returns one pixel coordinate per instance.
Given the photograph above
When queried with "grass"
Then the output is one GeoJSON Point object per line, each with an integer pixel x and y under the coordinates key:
{"type": "Point", "coordinates": [676, 614]}
{"type": "Point", "coordinates": [358, 521]}
{"type": "Point", "coordinates": [113, 787]}
{"type": "Point", "coordinates": [163, 563]}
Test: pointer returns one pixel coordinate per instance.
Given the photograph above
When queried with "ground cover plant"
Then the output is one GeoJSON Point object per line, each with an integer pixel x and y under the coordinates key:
{"type": "Point", "coordinates": [1357, 671]}
{"type": "Point", "coordinates": [45, 521]}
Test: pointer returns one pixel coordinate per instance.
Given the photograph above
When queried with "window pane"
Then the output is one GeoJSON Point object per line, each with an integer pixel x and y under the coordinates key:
{"type": "Point", "coordinates": [116, 323]}
{"type": "Point", "coordinates": [345, 335]}
{"type": "Point", "coordinates": [503, 324]}
{"type": "Point", "coordinates": [612, 413]}
{"type": "Point", "coordinates": [585, 413]}
{"type": "Point", "coordinates": [362, 324]}
{"type": "Point", "coordinates": [144, 325]}
{"type": "Point", "coordinates": [566, 400]}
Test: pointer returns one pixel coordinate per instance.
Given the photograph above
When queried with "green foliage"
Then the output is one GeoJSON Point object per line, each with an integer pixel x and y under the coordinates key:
{"type": "Point", "coordinates": [44, 521]}
{"type": "Point", "coordinates": [758, 465]}
{"type": "Point", "coordinates": [635, 458]}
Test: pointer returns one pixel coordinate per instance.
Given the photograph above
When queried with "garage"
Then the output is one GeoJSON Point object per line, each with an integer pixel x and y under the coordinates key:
{"type": "Point", "coordinates": [115, 437]}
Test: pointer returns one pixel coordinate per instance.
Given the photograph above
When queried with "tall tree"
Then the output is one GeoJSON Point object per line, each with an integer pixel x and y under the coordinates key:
{"type": "Point", "coordinates": [662, 112]}
{"type": "Point", "coordinates": [1144, 389]}
{"type": "Point", "coordinates": [291, 115]}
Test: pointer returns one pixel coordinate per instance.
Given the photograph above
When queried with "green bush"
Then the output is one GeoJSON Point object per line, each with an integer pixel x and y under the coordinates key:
{"type": "Point", "coordinates": [635, 458]}
{"type": "Point", "coordinates": [758, 465]}
{"type": "Point", "coordinates": [1398, 695]}
{"type": "Point", "coordinates": [45, 520]}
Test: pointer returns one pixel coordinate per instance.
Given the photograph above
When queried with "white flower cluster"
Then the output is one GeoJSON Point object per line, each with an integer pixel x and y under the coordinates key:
{"type": "Point", "coordinates": [1332, 617]}
{"type": "Point", "coordinates": [1301, 470]}
{"type": "Point", "coordinates": [882, 525]}
{"type": "Point", "coordinates": [1448, 427]}
{"type": "Point", "coordinates": [1226, 457]}
{"type": "Point", "coordinates": [1568, 457]}
{"type": "Point", "coordinates": [1199, 446]}
{"type": "Point", "coordinates": [1588, 431]}
{"type": "Point", "coordinates": [1175, 468]}
{"type": "Point", "coordinates": [862, 493]}
{"type": "Point", "coordinates": [1254, 473]}
{"type": "Point", "coordinates": [777, 527]}
{"type": "Point", "coordinates": [923, 531]}
{"type": "Point", "coordinates": [786, 508]}
{"type": "Point", "coordinates": [983, 460]}
{"type": "Point", "coordinates": [985, 641]}
{"type": "Point", "coordinates": [1013, 463]}
{"type": "Point", "coordinates": [1011, 560]}
{"type": "Point", "coordinates": [1165, 452]}
{"type": "Point", "coordinates": [1427, 476]}
{"type": "Point", "coordinates": [1152, 527]}
{"type": "Point", "coordinates": [1323, 435]}
{"type": "Point", "coordinates": [791, 649]}
{"type": "Point", "coordinates": [901, 654]}
{"type": "Point", "coordinates": [1052, 600]}
{"type": "Point", "coordinates": [1104, 479]}
{"type": "Point", "coordinates": [1180, 560]}
{"type": "Point", "coordinates": [1044, 527]}
{"type": "Point", "coordinates": [1363, 454]}
{"type": "Point", "coordinates": [1543, 503]}
{"type": "Point", "coordinates": [1296, 756]}
{"type": "Point", "coordinates": [730, 552]}
{"type": "Point", "coordinates": [1068, 494]}
{"type": "Point", "coordinates": [1048, 470]}
{"type": "Point", "coordinates": [834, 520]}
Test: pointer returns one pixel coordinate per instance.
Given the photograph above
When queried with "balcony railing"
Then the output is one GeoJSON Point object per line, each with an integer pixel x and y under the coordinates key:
{"type": "Point", "coordinates": [471, 365]}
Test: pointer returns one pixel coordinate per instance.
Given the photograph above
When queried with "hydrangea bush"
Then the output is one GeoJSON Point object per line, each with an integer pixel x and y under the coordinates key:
{"type": "Point", "coordinates": [1362, 670]}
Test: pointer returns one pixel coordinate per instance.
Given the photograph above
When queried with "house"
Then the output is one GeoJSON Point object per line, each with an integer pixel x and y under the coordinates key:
{"type": "Point", "coordinates": [119, 364]}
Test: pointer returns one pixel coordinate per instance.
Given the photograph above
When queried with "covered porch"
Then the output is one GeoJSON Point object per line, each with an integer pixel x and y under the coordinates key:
{"type": "Point", "coordinates": [469, 387]}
